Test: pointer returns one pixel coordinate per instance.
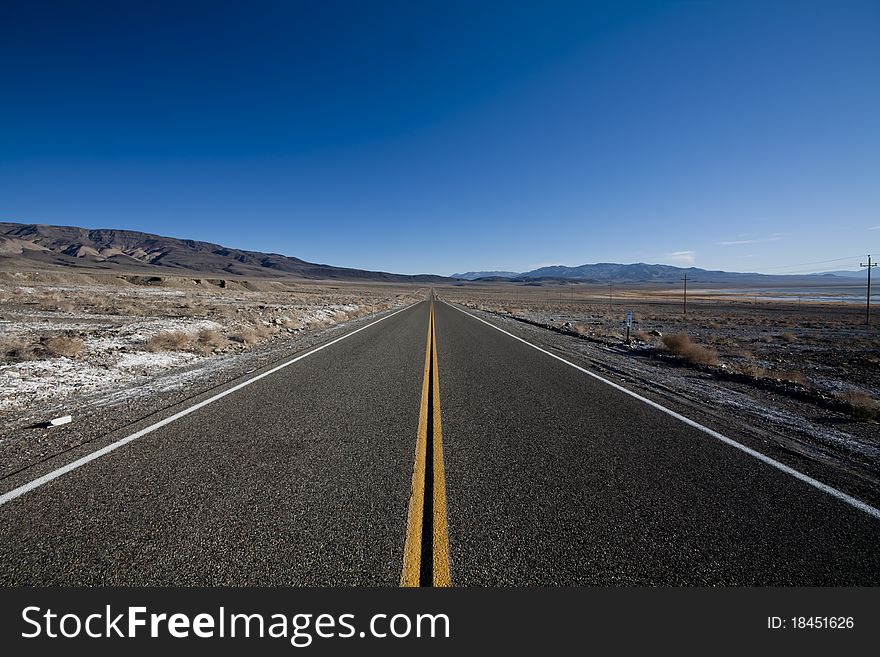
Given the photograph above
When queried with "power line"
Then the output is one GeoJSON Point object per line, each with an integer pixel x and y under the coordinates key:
{"type": "Point", "coordinates": [816, 262]}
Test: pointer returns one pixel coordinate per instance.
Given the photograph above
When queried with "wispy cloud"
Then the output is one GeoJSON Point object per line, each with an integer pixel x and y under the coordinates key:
{"type": "Point", "coordinates": [681, 257]}
{"type": "Point", "coordinates": [874, 228]}
{"type": "Point", "coordinates": [757, 240]}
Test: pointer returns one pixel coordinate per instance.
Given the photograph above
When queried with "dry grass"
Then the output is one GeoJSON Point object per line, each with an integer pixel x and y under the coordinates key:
{"type": "Point", "coordinates": [788, 337]}
{"type": "Point", "coordinates": [863, 405]}
{"type": "Point", "coordinates": [209, 341]}
{"type": "Point", "coordinates": [680, 345]}
{"type": "Point", "coordinates": [581, 329]}
{"type": "Point", "coordinates": [210, 338]}
{"type": "Point", "coordinates": [169, 341]}
{"type": "Point", "coordinates": [752, 370]}
{"type": "Point", "coordinates": [756, 371]}
{"type": "Point", "coordinates": [62, 346]}
{"type": "Point", "coordinates": [204, 342]}
{"type": "Point", "coordinates": [792, 376]}
{"type": "Point", "coordinates": [246, 336]}
{"type": "Point", "coordinates": [13, 350]}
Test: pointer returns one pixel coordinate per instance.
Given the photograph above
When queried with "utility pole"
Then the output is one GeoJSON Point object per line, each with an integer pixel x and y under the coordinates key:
{"type": "Point", "coordinates": [685, 294]}
{"type": "Point", "coordinates": [610, 294]}
{"type": "Point", "coordinates": [868, 298]}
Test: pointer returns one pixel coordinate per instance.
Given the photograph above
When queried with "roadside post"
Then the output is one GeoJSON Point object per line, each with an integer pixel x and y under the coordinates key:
{"type": "Point", "coordinates": [629, 323]}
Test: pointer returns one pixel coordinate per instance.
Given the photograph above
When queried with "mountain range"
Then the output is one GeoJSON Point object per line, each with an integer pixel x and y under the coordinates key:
{"type": "Point", "coordinates": [641, 272]}
{"type": "Point", "coordinates": [36, 246]}
{"type": "Point", "coordinates": [474, 275]}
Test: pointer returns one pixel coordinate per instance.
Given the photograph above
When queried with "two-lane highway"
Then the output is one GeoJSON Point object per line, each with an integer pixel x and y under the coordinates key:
{"type": "Point", "coordinates": [431, 448]}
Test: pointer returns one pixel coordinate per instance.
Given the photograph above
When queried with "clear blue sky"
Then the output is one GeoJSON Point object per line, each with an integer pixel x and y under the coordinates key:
{"type": "Point", "coordinates": [449, 136]}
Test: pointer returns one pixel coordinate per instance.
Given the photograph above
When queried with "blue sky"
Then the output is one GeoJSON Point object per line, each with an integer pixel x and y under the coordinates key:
{"type": "Point", "coordinates": [451, 136]}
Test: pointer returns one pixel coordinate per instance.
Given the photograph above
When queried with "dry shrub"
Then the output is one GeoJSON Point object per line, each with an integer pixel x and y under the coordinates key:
{"type": "Point", "coordinates": [788, 337]}
{"type": "Point", "coordinates": [14, 350]}
{"type": "Point", "coordinates": [752, 370]}
{"type": "Point", "coordinates": [263, 331]}
{"type": "Point", "coordinates": [211, 338]}
{"type": "Point", "coordinates": [792, 376]}
{"type": "Point", "coordinates": [169, 341]}
{"type": "Point", "coordinates": [62, 346]}
{"type": "Point", "coordinates": [863, 406]}
{"type": "Point", "coordinates": [680, 345]}
{"type": "Point", "coordinates": [245, 336]}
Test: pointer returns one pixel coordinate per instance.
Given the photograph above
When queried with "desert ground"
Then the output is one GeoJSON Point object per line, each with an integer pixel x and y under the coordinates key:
{"type": "Point", "coordinates": [822, 345]}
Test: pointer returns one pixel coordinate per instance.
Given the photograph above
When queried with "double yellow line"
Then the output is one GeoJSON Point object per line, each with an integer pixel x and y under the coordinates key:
{"type": "Point", "coordinates": [426, 552]}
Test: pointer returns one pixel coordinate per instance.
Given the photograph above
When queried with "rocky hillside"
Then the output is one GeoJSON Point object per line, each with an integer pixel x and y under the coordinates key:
{"type": "Point", "coordinates": [33, 246]}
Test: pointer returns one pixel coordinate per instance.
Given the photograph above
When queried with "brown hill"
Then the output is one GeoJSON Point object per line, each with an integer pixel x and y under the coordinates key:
{"type": "Point", "coordinates": [35, 246]}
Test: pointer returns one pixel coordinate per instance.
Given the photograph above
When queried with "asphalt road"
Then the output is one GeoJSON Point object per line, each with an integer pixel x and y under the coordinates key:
{"type": "Point", "coordinates": [305, 477]}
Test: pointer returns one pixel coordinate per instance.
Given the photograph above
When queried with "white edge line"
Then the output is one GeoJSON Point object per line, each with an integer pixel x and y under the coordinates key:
{"type": "Point", "coordinates": [815, 483]}
{"type": "Point", "coordinates": [73, 465]}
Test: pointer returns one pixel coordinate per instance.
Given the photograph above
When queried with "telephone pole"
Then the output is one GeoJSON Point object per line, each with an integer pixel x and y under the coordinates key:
{"type": "Point", "coordinates": [868, 298]}
{"type": "Point", "coordinates": [685, 279]}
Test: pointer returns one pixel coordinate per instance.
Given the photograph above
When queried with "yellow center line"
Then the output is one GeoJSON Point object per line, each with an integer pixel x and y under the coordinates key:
{"type": "Point", "coordinates": [426, 536]}
{"type": "Point", "coordinates": [441, 538]}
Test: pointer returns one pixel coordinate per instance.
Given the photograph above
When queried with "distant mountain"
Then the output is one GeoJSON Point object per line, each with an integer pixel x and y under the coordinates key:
{"type": "Point", "coordinates": [607, 271]}
{"type": "Point", "coordinates": [847, 274]}
{"type": "Point", "coordinates": [30, 246]}
{"type": "Point", "coordinates": [474, 275]}
{"type": "Point", "coordinates": [641, 272]}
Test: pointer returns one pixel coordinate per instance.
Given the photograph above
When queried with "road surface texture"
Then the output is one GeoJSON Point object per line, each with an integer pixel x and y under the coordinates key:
{"type": "Point", "coordinates": [430, 448]}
